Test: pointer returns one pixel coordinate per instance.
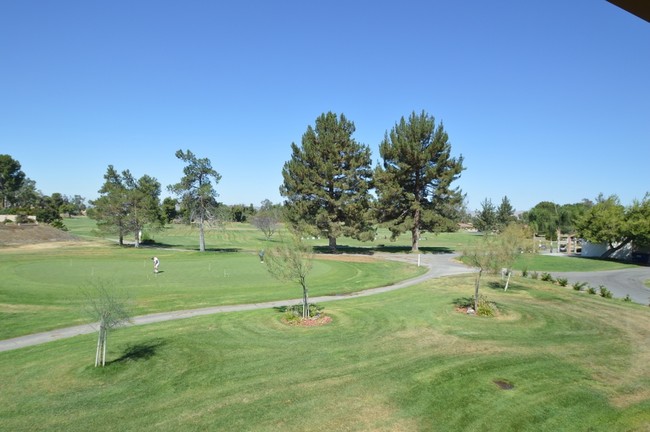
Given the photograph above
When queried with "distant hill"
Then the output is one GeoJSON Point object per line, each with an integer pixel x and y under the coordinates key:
{"type": "Point", "coordinates": [16, 235]}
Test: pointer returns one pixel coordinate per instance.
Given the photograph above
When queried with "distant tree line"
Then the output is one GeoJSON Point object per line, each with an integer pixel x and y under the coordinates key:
{"type": "Point", "coordinates": [19, 196]}
{"type": "Point", "coordinates": [604, 220]}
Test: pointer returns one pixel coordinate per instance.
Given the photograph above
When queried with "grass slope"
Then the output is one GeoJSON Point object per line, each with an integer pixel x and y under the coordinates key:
{"type": "Point", "coordinates": [404, 360]}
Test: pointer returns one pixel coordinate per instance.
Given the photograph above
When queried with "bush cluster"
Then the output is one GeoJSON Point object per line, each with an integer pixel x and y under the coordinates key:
{"type": "Point", "coordinates": [577, 286]}
{"type": "Point", "coordinates": [485, 307]}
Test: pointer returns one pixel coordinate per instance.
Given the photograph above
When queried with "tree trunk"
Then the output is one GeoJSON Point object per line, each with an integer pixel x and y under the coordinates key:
{"type": "Point", "coordinates": [612, 250]}
{"type": "Point", "coordinates": [332, 244]}
{"type": "Point", "coordinates": [305, 301]}
{"type": "Point", "coordinates": [201, 235]}
{"type": "Point", "coordinates": [415, 232]}
{"type": "Point", "coordinates": [100, 354]}
{"type": "Point", "coordinates": [476, 287]}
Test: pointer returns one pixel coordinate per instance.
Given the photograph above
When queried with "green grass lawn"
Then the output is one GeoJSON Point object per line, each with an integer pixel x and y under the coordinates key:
{"type": "Point", "coordinates": [548, 263]}
{"type": "Point", "coordinates": [245, 237]}
{"type": "Point", "coordinates": [42, 289]}
{"type": "Point", "coordinates": [400, 361]}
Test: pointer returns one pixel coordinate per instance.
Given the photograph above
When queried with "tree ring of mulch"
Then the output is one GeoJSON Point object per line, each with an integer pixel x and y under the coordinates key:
{"type": "Point", "coordinates": [504, 384]}
{"type": "Point", "coordinates": [320, 320]}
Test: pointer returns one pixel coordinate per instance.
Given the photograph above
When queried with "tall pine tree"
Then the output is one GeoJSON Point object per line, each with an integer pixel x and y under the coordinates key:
{"type": "Point", "coordinates": [414, 182]}
{"type": "Point", "coordinates": [326, 182]}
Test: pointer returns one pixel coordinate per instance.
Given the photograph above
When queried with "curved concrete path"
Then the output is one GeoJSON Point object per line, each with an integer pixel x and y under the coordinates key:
{"type": "Point", "coordinates": [439, 265]}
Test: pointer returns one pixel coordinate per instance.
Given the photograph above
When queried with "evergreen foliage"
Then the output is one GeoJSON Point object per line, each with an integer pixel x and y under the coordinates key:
{"type": "Point", "coordinates": [327, 182]}
{"type": "Point", "coordinates": [11, 179]}
{"type": "Point", "coordinates": [196, 191]}
{"type": "Point", "coordinates": [414, 181]}
{"type": "Point", "coordinates": [126, 205]}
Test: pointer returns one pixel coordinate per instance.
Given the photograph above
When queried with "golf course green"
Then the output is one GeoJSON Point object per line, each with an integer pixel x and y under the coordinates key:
{"type": "Point", "coordinates": [552, 359]}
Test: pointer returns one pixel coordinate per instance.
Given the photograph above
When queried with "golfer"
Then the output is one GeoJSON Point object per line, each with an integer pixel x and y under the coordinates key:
{"type": "Point", "coordinates": [156, 263]}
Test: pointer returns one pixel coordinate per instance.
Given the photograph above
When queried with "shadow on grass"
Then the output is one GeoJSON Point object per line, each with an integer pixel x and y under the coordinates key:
{"type": "Point", "coordinates": [463, 302]}
{"type": "Point", "coordinates": [141, 351]}
{"type": "Point", "coordinates": [500, 285]}
{"type": "Point", "coordinates": [380, 248]}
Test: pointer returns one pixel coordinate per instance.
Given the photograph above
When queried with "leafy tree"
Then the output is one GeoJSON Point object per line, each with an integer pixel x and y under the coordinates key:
{"type": "Point", "coordinates": [637, 222]}
{"type": "Point", "coordinates": [126, 205]}
{"type": "Point", "coordinates": [544, 219]}
{"type": "Point", "coordinates": [486, 219]}
{"type": "Point", "coordinates": [267, 218]}
{"type": "Point", "coordinates": [604, 223]}
{"type": "Point", "coordinates": [47, 210]}
{"type": "Point", "coordinates": [72, 206]}
{"type": "Point", "coordinates": [109, 309]}
{"type": "Point", "coordinates": [11, 179]}
{"type": "Point", "coordinates": [610, 222]}
{"type": "Point", "coordinates": [496, 252]}
{"type": "Point", "coordinates": [142, 203]}
{"type": "Point", "coordinates": [327, 181]}
{"type": "Point", "coordinates": [241, 212]}
{"type": "Point", "coordinates": [109, 210]}
{"type": "Point", "coordinates": [505, 214]}
{"type": "Point", "coordinates": [292, 261]}
{"type": "Point", "coordinates": [413, 183]}
{"type": "Point", "coordinates": [27, 196]}
{"type": "Point", "coordinates": [196, 191]}
{"type": "Point", "coordinates": [169, 209]}
{"type": "Point", "coordinates": [548, 218]}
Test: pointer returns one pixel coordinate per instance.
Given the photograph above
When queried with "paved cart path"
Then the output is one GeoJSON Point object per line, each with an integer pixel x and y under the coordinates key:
{"type": "Point", "coordinates": [438, 265]}
{"type": "Point", "coordinates": [620, 282]}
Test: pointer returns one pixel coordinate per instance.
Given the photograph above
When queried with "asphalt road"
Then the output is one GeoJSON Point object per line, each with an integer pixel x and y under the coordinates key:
{"type": "Point", "coordinates": [619, 282]}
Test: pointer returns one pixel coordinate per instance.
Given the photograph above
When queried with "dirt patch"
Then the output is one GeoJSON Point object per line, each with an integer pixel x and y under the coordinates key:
{"type": "Point", "coordinates": [309, 322]}
{"type": "Point", "coordinates": [31, 234]}
{"type": "Point", "coordinates": [504, 384]}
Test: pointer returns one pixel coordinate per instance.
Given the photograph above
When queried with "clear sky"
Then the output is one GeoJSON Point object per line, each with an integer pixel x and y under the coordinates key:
{"type": "Point", "coordinates": [545, 100]}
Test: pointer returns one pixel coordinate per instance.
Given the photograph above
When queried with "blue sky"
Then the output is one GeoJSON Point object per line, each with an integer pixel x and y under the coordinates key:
{"type": "Point", "coordinates": [545, 100]}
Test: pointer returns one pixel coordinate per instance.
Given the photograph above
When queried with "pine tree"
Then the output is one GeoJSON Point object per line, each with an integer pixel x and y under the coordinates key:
{"type": "Point", "coordinates": [326, 182]}
{"type": "Point", "coordinates": [414, 182]}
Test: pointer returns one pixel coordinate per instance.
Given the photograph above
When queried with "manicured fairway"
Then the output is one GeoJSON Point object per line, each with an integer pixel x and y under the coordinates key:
{"type": "Point", "coordinates": [41, 289]}
{"type": "Point", "coordinates": [400, 361]}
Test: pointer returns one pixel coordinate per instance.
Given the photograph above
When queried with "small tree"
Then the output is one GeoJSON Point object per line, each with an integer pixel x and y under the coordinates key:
{"type": "Point", "coordinates": [104, 305]}
{"type": "Point", "coordinates": [292, 261]}
{"type": "Point", "coordinates": [267, 218]}
{"type": "Point", "coordinates": [486, 218]}
{"type": "Point", "coordinates": [495, 252]}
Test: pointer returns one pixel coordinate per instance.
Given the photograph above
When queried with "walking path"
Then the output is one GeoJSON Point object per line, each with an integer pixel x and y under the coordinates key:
{"type": "Point", "coordinates": [620, 282]}
{"type": "Point", "coordinates": [439, 265]}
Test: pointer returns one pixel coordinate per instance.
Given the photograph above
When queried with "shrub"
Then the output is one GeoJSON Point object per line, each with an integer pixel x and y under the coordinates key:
{"type": "Point", "coordinates": [562, 281]}
{"type": "Point", "coordinates": [524, 273]}
{"type": "Point", "coordinates": [296, 311]}
{"type": "Point", "coordinates": [627, 298]}
{"type": "Point", "coordinates": [486, 308]}
{"type": "Point", "coordinates": [534, 275]}
{"type": "Point", "coordinates": [578, 286]}
{"type": "Point", "coordinates": [547, 277]}
{"type": "Point", "coordinates": [604, 292]}
{"type": "Point", "coordinates": [591, 290]}
{"type": "Point", "coordinates": [58, 223]}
